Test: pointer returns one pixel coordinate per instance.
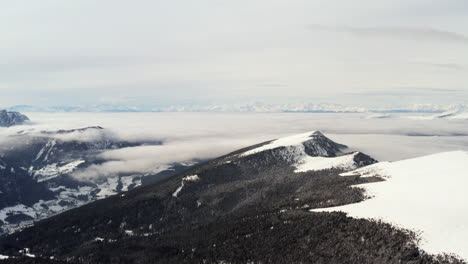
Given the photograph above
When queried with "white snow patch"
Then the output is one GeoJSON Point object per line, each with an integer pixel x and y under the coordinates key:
{"type": "Point", "coordinates": [53, 170]}
{"type": "Point", "coordinates": [309, 163]}
{"type": "Point", "coordinates": [17, 209]}
{"type": "Point", "coordinates": [108, 188]}
{"type": "Point", "coordinates": [177, 191]}
{"type": "Point", "coordinates": [191, 178]}
{"type": "Point", "coordinates": [48, 147]}
{"type": "Point", "coordinates": [127, 181]}
{"type": "Point", "coordinates": [295, 140]}
{"type": "Point", "coordinates": [379, 169]}
{"type": "Point", "coordinates": [26, 252]}
{"type": "Point", "coordinates": [426, 194]}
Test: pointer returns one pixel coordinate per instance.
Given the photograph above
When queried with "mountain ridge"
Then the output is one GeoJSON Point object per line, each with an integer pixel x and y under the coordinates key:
{"type": "Point", "coordinates": [10, 118]}
{"type": "Point", "coordinates": [232, 209]}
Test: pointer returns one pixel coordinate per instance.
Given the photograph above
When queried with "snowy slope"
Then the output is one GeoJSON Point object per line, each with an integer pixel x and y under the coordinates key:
{"type": "Point", "coordinates": [291, 141]}
{"type": "Point", "coordinates": [345, 162]}
{"type": "Point", "coordinates": [54, 170]}
{"type": "Point", "coordinates": [426, 194]}
{"type": "Point", "coordinates": [36, 178]}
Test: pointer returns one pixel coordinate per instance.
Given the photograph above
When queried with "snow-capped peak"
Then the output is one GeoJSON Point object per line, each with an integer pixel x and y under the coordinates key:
{"type": "Point", "coordinates": [289, 141]}
{"type": "Point", "coordinates": [312, 151]}
{"type": "Point", "coordinates": [312, 143]}
{"type": "Point", "coordinates": [8, 119]}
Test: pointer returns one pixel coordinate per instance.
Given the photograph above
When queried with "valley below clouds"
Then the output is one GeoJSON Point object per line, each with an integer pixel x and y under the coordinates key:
{"type": "Point", "coordinates": [187, 137]}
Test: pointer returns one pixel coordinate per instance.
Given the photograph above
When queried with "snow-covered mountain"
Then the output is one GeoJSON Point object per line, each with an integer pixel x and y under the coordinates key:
{"type": "Point", "coordinates": [249, 206]}
{"type": "Point", "coordinates": [8, 119]}
{"type": "Point", "coordinates": [274, 202]}
{"type": "Point", "coordinates": [36, 173]}
{"type": "Point", "coordinates": [426, 194]}
{"type": "Point", "coordinates": [313, 151]}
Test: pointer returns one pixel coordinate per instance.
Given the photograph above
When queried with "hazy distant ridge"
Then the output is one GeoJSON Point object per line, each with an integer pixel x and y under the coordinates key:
{"type": "Point", "coordinates": [248, 107]}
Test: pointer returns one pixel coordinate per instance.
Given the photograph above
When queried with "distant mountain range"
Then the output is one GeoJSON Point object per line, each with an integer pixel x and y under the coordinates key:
{"type": "Point", "coordinates": [249, 107]}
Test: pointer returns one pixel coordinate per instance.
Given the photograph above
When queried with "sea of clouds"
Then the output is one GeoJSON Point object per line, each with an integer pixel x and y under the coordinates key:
{"type": "Point", "coordinates": [189, 136]}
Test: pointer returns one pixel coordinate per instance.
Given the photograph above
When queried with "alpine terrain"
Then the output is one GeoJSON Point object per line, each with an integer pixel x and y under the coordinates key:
{"type": "Point", "coordinates": [255, 205]}
{"type": "Point", "coordinates": [36, 173]}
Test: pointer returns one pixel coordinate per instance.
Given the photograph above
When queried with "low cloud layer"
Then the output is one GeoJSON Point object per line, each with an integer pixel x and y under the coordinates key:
{"type": "Point", "coordinates": [146, 159]}
{"type": "Point", "coordinates": [189, 136]}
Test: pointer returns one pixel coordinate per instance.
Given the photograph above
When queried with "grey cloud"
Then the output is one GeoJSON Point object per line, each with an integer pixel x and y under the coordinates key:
{"type": "Point", "coordinates": [408, 91]}
{"type": "Point", "coordinates": [208, 55]}
{"type": "Point", "coordinates": [273, 85]}
{"type": "Point", "coordinates": [413, 33]}
{"type": "Point", "coordinates": [30, 66]}
{"type": "Point", "coordinates": [447, 66]}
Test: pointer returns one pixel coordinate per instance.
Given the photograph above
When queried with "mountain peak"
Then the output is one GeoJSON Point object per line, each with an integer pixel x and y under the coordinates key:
{"type": "Point", "coordinates": [320, 145]}
{"type": "Point", "coordinates": [267, 187]}
{"type": "Point", "coordinates": [8, 119]}
{"type": "Point", "coordinates": [312, 143]}
{"type": "Point", "coordinates": [317, 133]}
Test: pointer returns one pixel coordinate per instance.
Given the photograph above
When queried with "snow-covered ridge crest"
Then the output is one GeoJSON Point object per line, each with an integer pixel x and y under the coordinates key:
{"type": "Point", "coordinates": [426, 194]}
{"type": "Point", "coordinates": [290, 141]}
{"type": "Point", "coordinates": [312, 151]}
{"type": "Point", "coordinates": [314, 139]}
{"type": "Point", "coordinates": [345, 162]}
{"type": "Point", "coordinates": [374, 170]}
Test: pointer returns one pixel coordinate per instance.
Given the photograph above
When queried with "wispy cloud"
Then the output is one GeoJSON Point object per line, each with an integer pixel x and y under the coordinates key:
{"type": "Point", "coordinates": [446, 66]}
{"type": "Point", "coordinates": [413, 33]}
{"type": "Point", "coordinates": [406, 91]}
{"type": "Point", "coordinates": [273, 85]}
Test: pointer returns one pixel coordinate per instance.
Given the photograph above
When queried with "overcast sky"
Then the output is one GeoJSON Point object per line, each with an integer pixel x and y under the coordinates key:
{"type": "Point", "coordinates": [56, 52]}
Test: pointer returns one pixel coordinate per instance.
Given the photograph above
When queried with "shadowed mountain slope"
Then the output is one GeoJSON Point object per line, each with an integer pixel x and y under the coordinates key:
{"type": "Point", "coordinates": [250, 206]}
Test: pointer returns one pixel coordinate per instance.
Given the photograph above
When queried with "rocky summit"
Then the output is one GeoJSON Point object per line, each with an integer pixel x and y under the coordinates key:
{"type": "Point", "coordinates": [8, 119]}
